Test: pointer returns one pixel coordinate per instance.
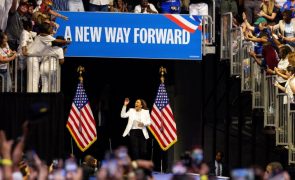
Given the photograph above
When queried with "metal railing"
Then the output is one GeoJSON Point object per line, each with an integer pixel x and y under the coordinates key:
{"type": "Point", "coordinates": [236, 56]}
{"type": "Point", "coordinates": [258, 79]}
{"type": "Point", "coordinates": [5, 80]}
{"type": "Point", "coordinates": [246, 78]}
{"type": "Point", "coordinates": [282, 119]}
{"type": "Point", "coordinates": [32, 74]}
{"type": "Point", "coordinates": [291, 136]}
{"type": "Point", "coordinates": [225, 36]}
{"type": "Point", "coordinates": [270, 92]}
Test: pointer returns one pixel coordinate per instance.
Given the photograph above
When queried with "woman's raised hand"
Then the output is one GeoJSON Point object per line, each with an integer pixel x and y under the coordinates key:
{"type": "Point", "coordinates": [126, 101]}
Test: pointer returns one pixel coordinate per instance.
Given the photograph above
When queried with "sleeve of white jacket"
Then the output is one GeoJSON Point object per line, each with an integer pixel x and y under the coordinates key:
{"type": "Point", "coordinates": [124, 114]}
{"type": "Point", "coordinates": [148, 121]}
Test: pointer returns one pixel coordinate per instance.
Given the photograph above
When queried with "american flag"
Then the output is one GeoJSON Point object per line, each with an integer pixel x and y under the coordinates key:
{"type": "Point", "coordinates": [163, 125]}
{"type": "Point", "coordinates": [81, 123]}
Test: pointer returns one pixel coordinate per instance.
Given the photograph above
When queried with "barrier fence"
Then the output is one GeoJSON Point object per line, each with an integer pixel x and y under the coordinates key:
{"type": "Point", "coordinates": [32, 74]}
{"type": "Point", "coordinates": [282, 119]}
{"type": "Point", "coordinates": [270, 93]}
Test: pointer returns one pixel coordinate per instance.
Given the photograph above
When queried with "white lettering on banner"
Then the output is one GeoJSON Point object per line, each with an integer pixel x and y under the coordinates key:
{"type": "Point", "coordinates": [121, 35]}
{"type": "Point", "coordinates": [161, 36]}
{"type": "Point", "coordinates": [87, 34]}
{"type": "Point", "coordinates": [79, 34]}
{"type": "Point", "coordinates": [68, 34]}
{"type": "Point", "coordinates": [117, 35]}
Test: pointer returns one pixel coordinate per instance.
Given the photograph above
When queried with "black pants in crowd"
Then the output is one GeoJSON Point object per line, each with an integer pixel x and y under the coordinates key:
{"type": "Point", "coordinates": [138, 144]}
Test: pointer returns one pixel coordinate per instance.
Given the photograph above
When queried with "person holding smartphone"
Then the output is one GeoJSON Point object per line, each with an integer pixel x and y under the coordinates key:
{"type": "Point", "coordinates": [138, 119]}
{"type": "Point", "coordinates": [145, 7]}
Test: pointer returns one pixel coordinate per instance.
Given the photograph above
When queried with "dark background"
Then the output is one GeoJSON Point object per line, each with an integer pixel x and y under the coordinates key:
{"type": "Point", "coordinates": [208, 106]}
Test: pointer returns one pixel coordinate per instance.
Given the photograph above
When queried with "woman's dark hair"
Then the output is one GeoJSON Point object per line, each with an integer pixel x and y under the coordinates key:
{"type": "Point", "coordinates": [27, 24]}
{"type": "Point", "coordinates": [143, 103]}
{"type": "Point", "coordinates": [45, 28]}
{"type": "Point", "coordinates": [291, 69]}
{"type": "Point", "coordinates": [59, 44]}
{"type": "Point", "coordinates": [285, 50]}
{"type": "Point", "coordinates": [287, 12]}
{"type": "Point", "coordinates": [2, 35]}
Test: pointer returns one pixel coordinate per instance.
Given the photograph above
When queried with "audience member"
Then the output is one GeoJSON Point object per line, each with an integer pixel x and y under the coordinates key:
{"type": "Point", "coordinates": [99, 5]}
{"type": "Point", "coordinates": [145, 7]}
{"type": "Point", "coordinates": [119, 6]}
{"type": "Point", "coordinates": [89, 166]}
{"type": "Point", "coordinates": [170, 7]}
{"type": "Point", "coordinates": [76, 6]}
{"type": "Point", "coordinates": [15, 24]}
{"type": "Point", "coordinates": [6, 55]}
{"type": "Point", "coordinates": [50, 66]}
{"type": "Point", "coordinates": [217, 167]}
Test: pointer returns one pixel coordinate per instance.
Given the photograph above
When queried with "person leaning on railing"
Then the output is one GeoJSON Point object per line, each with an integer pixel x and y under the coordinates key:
{"type": "Point", "coordinates": [289, 88]}
{"type": "Point", "coordinates": [6, 55]}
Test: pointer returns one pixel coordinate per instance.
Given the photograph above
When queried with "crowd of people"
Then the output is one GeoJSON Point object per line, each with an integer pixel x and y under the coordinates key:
{"type": "Point", "coordinates": [18, 162]}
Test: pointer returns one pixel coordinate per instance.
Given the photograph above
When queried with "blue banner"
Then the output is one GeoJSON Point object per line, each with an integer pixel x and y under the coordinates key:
{"type": "Point", "coordinates": [122, 35]}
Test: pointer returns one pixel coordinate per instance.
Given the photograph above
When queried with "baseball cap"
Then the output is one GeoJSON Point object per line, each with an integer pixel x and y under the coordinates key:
{"type": "Point", "coordinates": [260, 20]}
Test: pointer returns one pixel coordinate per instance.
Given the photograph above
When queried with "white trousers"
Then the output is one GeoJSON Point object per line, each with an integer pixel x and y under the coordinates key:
{"type": "Point", "coordinates": [76, 5]}
{"type": "Point", "coordinates": [33, 74]}
{"type": "Point", "coordinates": [49, 75]}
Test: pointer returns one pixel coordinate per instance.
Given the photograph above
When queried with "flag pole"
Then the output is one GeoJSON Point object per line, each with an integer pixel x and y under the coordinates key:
{"type": "Point", "coordinates": [72, 147]}
{"type": "Point", "coordinates": [80, 70]}
{"type": "Point", "coordinates": [163, 71]}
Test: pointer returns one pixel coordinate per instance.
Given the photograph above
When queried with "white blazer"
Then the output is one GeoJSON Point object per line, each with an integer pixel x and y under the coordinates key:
{"type": "Point", "coordinates": [144, 117]}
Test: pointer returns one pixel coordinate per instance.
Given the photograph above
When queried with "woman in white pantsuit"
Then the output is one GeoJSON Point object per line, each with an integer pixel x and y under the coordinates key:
{"type": "Point", "coordinates": [138, 120]}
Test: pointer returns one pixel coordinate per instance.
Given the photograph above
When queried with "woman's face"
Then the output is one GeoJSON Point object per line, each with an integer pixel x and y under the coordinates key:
{"type": "Point", "coordinates": [138, 104]}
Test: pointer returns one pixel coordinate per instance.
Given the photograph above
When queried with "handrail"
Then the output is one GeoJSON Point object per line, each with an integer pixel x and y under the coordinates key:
{"type": "Point", "coordinates": [225, 31]}
{"type": "Point", "coordinates": [49, 74]}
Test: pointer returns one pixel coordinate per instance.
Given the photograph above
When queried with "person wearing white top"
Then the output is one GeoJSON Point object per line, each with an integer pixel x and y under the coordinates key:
{"type": "Point", "coordinates": [36, 48]}
{"type": "Point", "coordinates": [6, 55]}
{"type": "Point", "coordinates": [50, 67]}
{"type": "Point", "coordinates": [99, 5]}
{"type": "Point", "coordinates": [145, 7]}
{"type": "Point", "coordinates": [138, 119]}
{"type": "Point", "coordinates": [283, 64]}
{"type": "Point", "coordinates": [76, 5]}
{"type": "Point", "coordinates": [289, 86]}
{"type": "Point", "coordinates": [26, 38]}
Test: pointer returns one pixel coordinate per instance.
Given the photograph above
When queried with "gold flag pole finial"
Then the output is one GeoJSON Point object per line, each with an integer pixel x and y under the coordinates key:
{"type": "Point", "coordinates": [80, 70]}
{"type": "Point", "coordinates": [163, 71]}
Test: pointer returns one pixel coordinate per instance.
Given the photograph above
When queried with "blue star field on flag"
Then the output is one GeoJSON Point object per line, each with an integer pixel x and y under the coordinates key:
{"type": "Point", "coordinates": [80, 99]}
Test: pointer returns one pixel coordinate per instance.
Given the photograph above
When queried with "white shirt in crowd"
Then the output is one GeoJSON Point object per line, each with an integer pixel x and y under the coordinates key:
{"type": "Point", "coordinates": [26, 38]}
{"type": "Point", "coordinates": [100, 2]}
{"type": "Point", "coordinates": [218, 168]}
{"type": "Point", "coordinates": [40, 44]}
{"type": "Point", "coordinates": [76, 5]}
{"type": "Point", "coordinates": [137, 8]}
{"type": "Point", "coordinates": [4, 53]}
{"type": "Point", "coordinates": [283, 64]}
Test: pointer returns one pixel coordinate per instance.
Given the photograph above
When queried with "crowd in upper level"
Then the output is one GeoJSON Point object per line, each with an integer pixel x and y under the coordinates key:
{"type": "Point", "coordinates": [27, 35]}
